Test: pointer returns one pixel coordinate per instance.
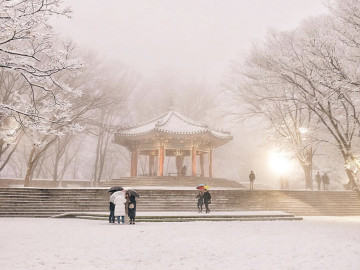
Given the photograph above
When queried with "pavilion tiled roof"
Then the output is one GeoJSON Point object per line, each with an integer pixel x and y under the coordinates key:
{"type": "Point", "coordinates": [172, 123]}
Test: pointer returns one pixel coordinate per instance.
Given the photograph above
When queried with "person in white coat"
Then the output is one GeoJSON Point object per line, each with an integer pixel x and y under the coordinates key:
{"type": "Point", "coordinates": [120, 208]}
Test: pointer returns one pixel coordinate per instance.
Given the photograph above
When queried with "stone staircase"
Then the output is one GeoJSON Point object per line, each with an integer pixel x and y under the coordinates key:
{"type": "Point", "coordinates": [34, 202]}
{"type": "Point", "coordinates": [173, 181]}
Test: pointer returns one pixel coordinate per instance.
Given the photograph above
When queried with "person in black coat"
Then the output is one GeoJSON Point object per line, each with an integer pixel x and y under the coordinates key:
{"type": "Point", "coordinates": [207, 200]}
{"type": "Point", "coordinates": [112, 215]}
{"type": "Point", "coordinates": [200, 203]}
{"type": "Point", "coordinates": [326, 181]}
{"type": "Point", "coordinates": [132, 209]}
{"type": "Point", "coordinates": [252, 179]}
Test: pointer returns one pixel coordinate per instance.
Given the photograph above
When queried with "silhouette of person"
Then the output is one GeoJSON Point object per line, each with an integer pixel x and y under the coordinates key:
{"type": "Point", "coordinates": [252, 179]}
{"type": "Point", "coordinates": [183, 170]}
{"type": "Point", "coordinates": [207, 200]}
{"type": "Point", "coordinates": [326, 181]}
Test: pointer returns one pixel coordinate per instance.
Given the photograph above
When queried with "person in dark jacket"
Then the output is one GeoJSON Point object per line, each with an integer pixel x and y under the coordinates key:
{"type": "Point", "coordinates": [112, 209]}
{"type": "Point", "coordinates": [183, 171]}
{"type": "Point", "coordinates": [252, 179]}
{"type": "Point", "coordinates": [326, 181]}
{"type": "Point", "coordinates": [132, 209]}
{"type": "Point", "coordinates": [207, 200]}
{"type": "Point", "coordinates": [200, 202]}
{"type": "Point", "coordinates": [127, 197]}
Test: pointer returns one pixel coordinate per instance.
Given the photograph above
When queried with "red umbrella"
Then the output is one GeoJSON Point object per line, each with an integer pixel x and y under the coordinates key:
{"type": "Point", "coordinates": [200, 187]}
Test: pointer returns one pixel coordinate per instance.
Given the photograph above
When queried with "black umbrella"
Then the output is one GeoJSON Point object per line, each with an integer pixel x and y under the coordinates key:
{"type": "Point", "coordinates": [132, 192]}
{"type": "Point", "coordinates": [116, 188]}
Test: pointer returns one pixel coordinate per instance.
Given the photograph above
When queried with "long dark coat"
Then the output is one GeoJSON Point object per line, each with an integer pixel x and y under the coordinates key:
{"type": "Point", "coordinates": [207, 197]}
{"type": "Point", "coordinates": [132, 212]}
{"type": "Point", "coordinates": [200, 198]}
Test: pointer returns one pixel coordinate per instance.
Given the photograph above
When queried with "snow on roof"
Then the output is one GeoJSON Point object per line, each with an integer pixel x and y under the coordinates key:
{"type": "Point", "coordinates": [172, 123]}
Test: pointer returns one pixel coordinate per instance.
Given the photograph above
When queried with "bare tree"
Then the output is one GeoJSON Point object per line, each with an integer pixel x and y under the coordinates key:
{"type": "Point", "coordinates": [10, 85]}
{"type": "Point", "coordinates": [320, 68]}
{"type": "Point", "coordinates": [110, 117]}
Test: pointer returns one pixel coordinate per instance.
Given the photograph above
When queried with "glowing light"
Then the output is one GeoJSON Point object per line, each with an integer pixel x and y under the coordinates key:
{"type": "Point", "coordinates": [279, 162]}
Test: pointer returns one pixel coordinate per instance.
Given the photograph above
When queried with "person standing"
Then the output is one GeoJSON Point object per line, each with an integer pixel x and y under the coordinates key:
{"type": "Point", "coordinates": [112, 209]}
{"type": "Point", "coordinates": [326, 181]}
{"type": "Point", "coordinates": [127, 198]}
{"type": "Point", "coordinates": [318, 180]}
{"type": "Point", "coordinates": [200, 202]}
{"type": "Point", "coordinates": [132, 209]}
{"type": "Point", "coordinates": [120, 208]}
{"type": "Point", "coordinates": [183, 171]}
{"type": "Point", "coordinates": [207, 200]}
{"type": "Point", "coordinates": [252, 179]}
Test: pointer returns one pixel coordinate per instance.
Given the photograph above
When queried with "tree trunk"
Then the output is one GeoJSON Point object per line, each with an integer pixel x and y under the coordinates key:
{"type": "Point", "coordinates": [97, 156]}
{"type": "Point", "coordinates": [352, 184]}
{"type": "Point", "coordinates": [2, 151]}
{"type": "Point", "coordinates": [102, 158]}
{"type": "Point", "coordinates": [308, 177]}
{"type": "Point", "coordinates": [29, 167]}
{"type": "Point", "coordinates": [56, 166]}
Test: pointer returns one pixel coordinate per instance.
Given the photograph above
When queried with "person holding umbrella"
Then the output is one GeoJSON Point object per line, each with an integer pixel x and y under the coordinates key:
{"type": "Point", "coordinates": [111, 203]}
{"type": "Point", "coordinates": [119, 201]}
{"type": "Point", "coordinates": [132, 205]}
{"type": "Point", "coordinates": [200, 202]}
{"type": "Point", "coordinates": [112, 215]}
{"type": "Point", "coordinates": [207, 200]}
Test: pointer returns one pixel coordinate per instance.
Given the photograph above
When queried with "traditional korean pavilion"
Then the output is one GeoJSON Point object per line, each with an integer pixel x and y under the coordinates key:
{"type": "Point", "coordinates": [171, 135]}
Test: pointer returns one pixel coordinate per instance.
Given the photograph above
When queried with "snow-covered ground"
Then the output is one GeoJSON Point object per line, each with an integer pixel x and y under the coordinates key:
{"type": "Point", "coordinates": [314, 243]}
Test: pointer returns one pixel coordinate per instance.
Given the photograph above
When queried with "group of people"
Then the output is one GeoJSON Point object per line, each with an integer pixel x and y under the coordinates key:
{"type": "Point", "coordinates": [204, 197]}
{"type": "Point", "coordinates": [324, 179]}
{"type": "Point", "coordinates": [121, 204]}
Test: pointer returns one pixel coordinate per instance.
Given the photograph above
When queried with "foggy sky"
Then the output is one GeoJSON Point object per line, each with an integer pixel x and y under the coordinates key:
{"type": "Point", "coordinates": [190, 38]}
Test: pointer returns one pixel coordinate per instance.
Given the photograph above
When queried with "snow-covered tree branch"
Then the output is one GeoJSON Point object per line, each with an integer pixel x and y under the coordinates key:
{"type": "Point", "coordinates": [30, 50]}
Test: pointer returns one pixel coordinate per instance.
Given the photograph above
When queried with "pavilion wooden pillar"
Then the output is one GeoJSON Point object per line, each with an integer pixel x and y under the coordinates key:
{"type": "Point", "coordinates": [210, 164]}
{"type": "Point", "coordinates": [161, 160]}
{"type": "Point", "coordinates": [151, 165]}
{"type": "Point", "coordinates": [134, 161]}
{"type": "Point", "coordinates": [202, 171]}
{"type": "Point", "coordinates": [193, 160]}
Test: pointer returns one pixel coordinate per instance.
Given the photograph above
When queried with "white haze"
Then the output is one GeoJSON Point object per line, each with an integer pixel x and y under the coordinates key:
{"type": "Point", "coordinates": [192, 38]}
{"type": "Point", "coordinates": [181, 49]}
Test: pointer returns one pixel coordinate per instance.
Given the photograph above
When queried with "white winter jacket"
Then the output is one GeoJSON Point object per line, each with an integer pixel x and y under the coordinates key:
{"type": "Point", "coordinates": [120, 206]}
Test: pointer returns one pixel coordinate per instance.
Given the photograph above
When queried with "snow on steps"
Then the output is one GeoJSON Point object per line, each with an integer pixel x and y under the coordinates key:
{"type": "Point", "coordinates": [34, 202]}
{"type": "Point", "coordinates": [188, 217]}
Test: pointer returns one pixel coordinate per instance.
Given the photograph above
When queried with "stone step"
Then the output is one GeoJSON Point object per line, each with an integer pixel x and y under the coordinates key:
{"type": "Point", "coordinates": [66, 200]}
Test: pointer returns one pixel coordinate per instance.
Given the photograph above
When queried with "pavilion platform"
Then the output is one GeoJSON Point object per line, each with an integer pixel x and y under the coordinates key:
{"type": "Point", "coordinates": [171, 181]}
